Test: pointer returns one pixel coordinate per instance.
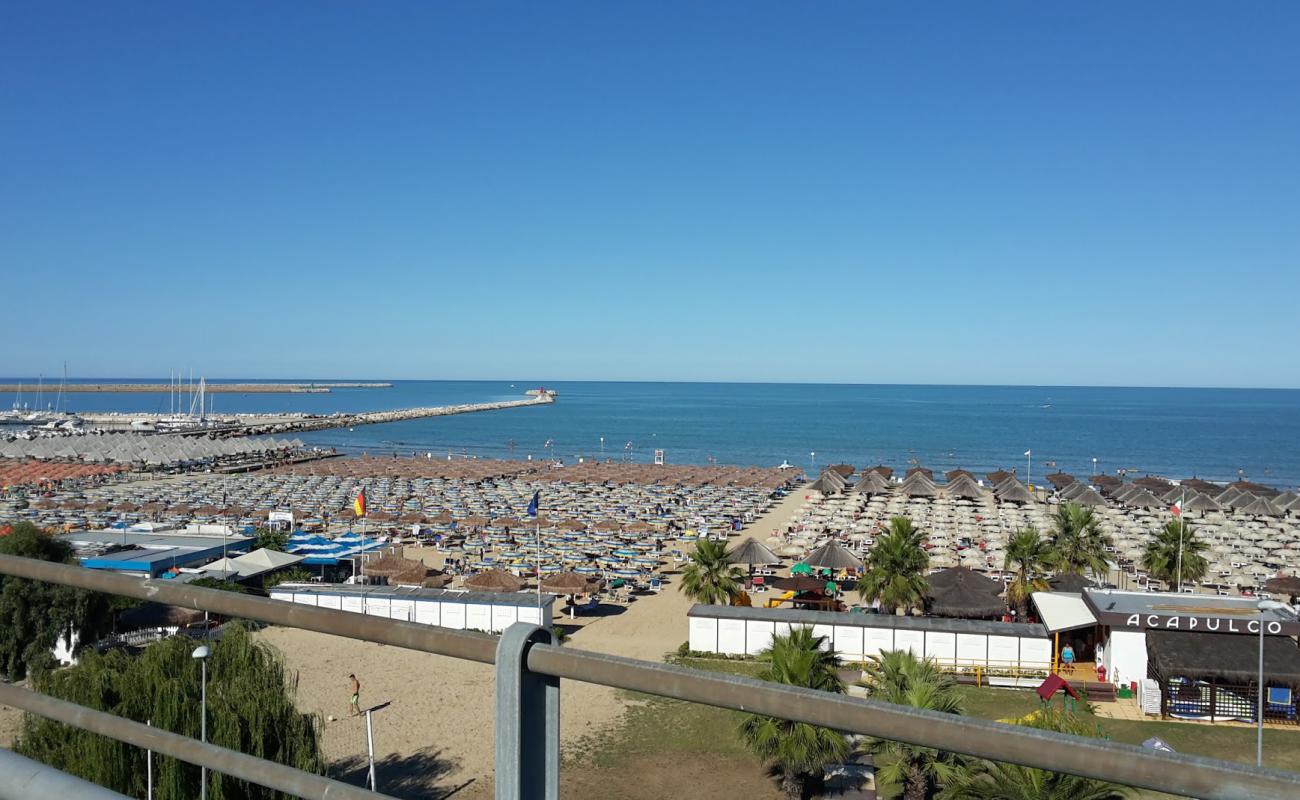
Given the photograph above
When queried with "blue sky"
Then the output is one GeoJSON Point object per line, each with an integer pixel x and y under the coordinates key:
{"type": "Point", "coordinates": [1099, 193]}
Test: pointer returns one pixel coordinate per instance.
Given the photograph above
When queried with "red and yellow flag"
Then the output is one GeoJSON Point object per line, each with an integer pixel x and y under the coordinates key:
{"type": "Point", "coordinates": [359, 504]}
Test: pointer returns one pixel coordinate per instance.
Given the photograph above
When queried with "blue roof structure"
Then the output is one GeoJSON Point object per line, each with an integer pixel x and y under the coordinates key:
{"type": "Point", "coordinates": [156, 560]}
{"type": "Point", "coordinates": [319, 550]}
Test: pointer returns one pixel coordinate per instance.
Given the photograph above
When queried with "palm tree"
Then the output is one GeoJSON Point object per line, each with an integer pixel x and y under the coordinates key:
{"type": "Point", "coordinates": [1161, 557]}
{"type": "Point", "coordinates": [711, 578]}
{"type": "Point", "coordinates": [899, 677]}
{"type": "Point", "coordinates": [1031, 556]}
{"type": "Point", "coordinates": [896, 570]}
{"type": "Point", "coordinates": [1078, 543]}
{"type": "Point", "coordinates": [799, 750]}
{"type": "Point", "coordinates": [991, 780]}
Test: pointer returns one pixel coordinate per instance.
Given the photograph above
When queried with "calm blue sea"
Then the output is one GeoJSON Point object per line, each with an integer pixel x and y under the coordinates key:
{"type": "Point", "coordinates": [1211, 433]}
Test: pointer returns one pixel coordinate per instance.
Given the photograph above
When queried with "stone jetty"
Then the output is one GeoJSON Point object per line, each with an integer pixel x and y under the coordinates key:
{"type": "Point", "coordinates": [254, 424]}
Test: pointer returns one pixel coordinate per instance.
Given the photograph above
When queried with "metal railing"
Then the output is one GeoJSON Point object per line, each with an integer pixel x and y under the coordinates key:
{"type": "Point", "coordinates": [527, 713]}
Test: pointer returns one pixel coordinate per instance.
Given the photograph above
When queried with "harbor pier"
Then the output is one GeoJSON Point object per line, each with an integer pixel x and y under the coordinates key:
{"type": "Point", "coordinates": [254, 424]}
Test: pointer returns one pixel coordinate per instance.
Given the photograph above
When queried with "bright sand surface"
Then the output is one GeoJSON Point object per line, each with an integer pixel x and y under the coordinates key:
{"type": "Point", "coordinates": [433, 723]}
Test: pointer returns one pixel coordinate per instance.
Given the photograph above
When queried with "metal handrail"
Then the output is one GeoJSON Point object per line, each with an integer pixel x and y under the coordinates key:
{"type": "Point", "coordinates": [219, 759]}
{"type": "Point", "coordinates": [1092, 758]}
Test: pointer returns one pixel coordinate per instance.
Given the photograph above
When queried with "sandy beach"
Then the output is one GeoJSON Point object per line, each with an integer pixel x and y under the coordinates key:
{"type": "Point", "coordinates": [433, 716]}
{"type": "Point", "coordinates": [435, 727]}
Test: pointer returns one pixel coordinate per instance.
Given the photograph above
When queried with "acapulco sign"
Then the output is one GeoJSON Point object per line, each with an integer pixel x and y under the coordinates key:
{"type": "Point", "coordinates": [1203, 624]}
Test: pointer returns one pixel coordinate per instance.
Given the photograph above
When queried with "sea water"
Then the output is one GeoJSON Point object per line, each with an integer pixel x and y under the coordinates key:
{"type": "Point", "coordinates": [1217, 434]}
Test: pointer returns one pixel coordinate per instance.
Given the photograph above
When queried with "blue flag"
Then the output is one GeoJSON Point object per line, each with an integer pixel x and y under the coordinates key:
{"type": "Point", "coordinates": [532, 507]}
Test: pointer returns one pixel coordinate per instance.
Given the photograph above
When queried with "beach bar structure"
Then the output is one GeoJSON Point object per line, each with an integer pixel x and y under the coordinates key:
{"type": "Point", "coordinates": [149, 554]}
{"type": "Point", "coordinates": [1189, 656]}
{"type": "Point", "coordinates": [1008, 653]}
{"type": "Point", "coordinates": [492, 612]}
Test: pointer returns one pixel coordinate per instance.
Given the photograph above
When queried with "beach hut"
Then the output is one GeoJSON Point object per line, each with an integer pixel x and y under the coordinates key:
{"type": "Point", "coordinates": [947, 578]}
{"type": "Point", "coordinates": [965, 600]}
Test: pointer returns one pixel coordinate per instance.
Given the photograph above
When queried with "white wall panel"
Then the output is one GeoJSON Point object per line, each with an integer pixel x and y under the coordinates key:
{"type": "Point", "coordinates": [704, 634]}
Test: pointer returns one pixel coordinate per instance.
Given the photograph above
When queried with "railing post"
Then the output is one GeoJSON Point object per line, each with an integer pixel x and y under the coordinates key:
{"type": "Point", "coordinates": [527, 720]}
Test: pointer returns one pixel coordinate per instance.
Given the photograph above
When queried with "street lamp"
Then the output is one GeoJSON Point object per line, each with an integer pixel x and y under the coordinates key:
{"type": "Point", "coordinates": [201, 653]}
{"type": "Point", "coordinates": [1264, 607]}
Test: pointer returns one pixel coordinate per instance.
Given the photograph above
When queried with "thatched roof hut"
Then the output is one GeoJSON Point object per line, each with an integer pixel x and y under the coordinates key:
{"type": "Point", "coordinates": [953, 576]}
{"type": "Point", "coordinates": [965, 601]}
{"type": "Point", "coordinates": [1222, 658]}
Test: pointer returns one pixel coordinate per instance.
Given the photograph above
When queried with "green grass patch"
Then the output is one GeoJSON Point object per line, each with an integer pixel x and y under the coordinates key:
{"type": "Point", "coordinates": [655, 726]}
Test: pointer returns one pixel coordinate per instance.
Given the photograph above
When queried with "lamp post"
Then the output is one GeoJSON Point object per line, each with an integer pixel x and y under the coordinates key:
{"type": "Point", "coordinates": [1094, 465]}
{"type": "Point", "coordinates": [201, 653]}
{"type": "Point", "coordinates": [1264, 607]}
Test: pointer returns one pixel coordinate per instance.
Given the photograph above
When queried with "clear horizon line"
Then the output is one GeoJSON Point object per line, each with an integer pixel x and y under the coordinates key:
{"type": "Point", "coordinates": [107, 379]}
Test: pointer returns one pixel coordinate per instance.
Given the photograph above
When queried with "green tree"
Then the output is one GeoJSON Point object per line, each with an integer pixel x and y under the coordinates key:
{"type": "Point", "coordinates": [711, 577]}
{"type": "Point", "coordinates": [991, 780]}
{"type": "Point", "coordinates": [1078, 543]}
{"type": "Point", "coordinates": [250, 709]}
{"type": "Point", "coordinates": [217, 583]}
{"type": "Point", "coordinates": [895, 573]}
{"type": "Point", "coordinates": [290, 575]}
{"type": "Point", "coordinates": [270, 539]}
{"type": "Point", "coordinates": [33, 615]}
{"type": "Point", "coordinates": [798, 750]}
{"type": "Point", "coordinates": [1028, 556]}
{"type": "Point", "coordinates": [1161, 556]}
{"type": "Point", "coordinates": [901, 678]}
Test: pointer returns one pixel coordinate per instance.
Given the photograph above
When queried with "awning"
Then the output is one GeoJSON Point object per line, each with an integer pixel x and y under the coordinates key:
{"type": "Point", "coordinates": [1062, 611]}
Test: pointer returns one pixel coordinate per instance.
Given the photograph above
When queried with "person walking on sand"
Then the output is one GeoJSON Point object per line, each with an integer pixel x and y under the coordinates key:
{"type": "Point", "coordinates": [356, 695]}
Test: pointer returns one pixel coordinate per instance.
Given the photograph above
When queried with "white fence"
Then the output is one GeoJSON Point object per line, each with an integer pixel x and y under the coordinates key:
{"type": "Point", "coordinates": [992, 646]}
{"type": "Point", "coordinates": [479, 611]}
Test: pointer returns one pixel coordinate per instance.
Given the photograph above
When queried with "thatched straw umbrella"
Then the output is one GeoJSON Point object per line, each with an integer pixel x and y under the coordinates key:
{"type": "Point", "coordinates": [752, 552]}
{"type": "Point", "coordinates": [494, 580]}
{"type": "Point", "coordinates": [833, 555]}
